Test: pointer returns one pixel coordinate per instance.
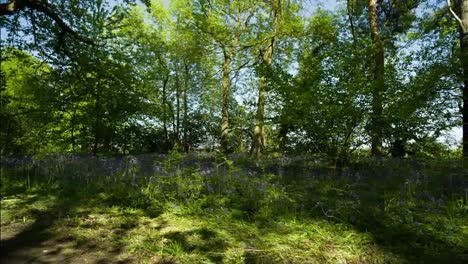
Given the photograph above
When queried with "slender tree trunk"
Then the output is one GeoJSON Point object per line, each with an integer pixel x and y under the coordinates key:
{"type": "Point", "coordinates": [95, 144]}
{"type": "Point", "coordinates": [97, 123]}
{"type": "Point", "coordinates": [378, 86]}
{"type": "Point", "coordinates": [8, 135]}
{"type": "Point", "coordinates": [164, 98]}
{"type": "Point", "coordinates": [73, 131]}
{"type": "Point", "coordinates": [185, 123]}
{"type": "Point", "coordinates": [282, 136]}
{"type": "Point", "coordinates": [350, 11]}
{"type": "Point", "coordinates": [343, 158]}
{"type": "Point", "coordinates": [124, 151]}
{"type": "Point", "coordinates": [465, 100]}
{"type": "Point", "coordinates": [107, 137]}
{"type": "Point", "coordinates": [258, 143]}
{"type": "Point", "coordinates": [345, 149]}
{"type": "Point", "coordinates": [175, 137]}
{"type": "Point", "coordinates": [228, 55]}
{"type": "Point", "coordinates": [177, 115]}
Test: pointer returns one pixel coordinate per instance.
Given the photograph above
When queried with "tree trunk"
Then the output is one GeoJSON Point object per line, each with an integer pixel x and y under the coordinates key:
{"type": "Point", "coordinates": [73, 131]}
{"type": "Point", "coordinates": [177, 116]}
{"type": "Point", "coordinates": [97, 123]}
{"type": "Point", "coordinates": [95, 144]}
{"type": "Point", "coordinates": [175, 135]}
{"type": "Point", "coordinates": [343, 158]}
{"type": "Point", "coordinates": [185, 123]}
{"type": "Point", "coordinates": [228, 55]}
{"type": "Point", "coordinates": [465, 100]}
{"type": "Point", "coordinates": [378, 86]}
{"type": "Point", "coordinates": [464, 59]}
{"type": "Point", "coordinates": [462, 18]}
{"type": "Point", "coordinates": [282, 136]}
{"type": "Point", "coordinates": [164, 99]}
{"type": "Point", "coordinates": [258, 143]}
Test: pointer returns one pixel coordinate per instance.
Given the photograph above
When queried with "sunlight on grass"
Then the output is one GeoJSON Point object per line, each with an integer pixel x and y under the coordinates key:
{"type": "Point", "coordinates": [191, 218]}
{"type": "Point", "coordinates": [210, 239]}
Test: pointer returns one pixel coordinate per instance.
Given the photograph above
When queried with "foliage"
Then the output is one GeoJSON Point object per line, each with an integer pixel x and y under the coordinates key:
{"type": "Point", "coordinates": [151, 80]}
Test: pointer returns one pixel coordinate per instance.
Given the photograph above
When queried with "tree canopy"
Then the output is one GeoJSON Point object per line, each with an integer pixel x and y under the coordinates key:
{"type": "Point", "coordinates": [264, 77]}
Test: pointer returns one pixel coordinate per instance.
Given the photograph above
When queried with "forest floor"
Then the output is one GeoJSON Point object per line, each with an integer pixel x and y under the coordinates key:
{"type": "Point", "coordinates": [39, 227]}
{"type": "Point", "coordinates": [36, 230]}
{"type": "Point", "coordinates": [32, 232]}
{"type": "Point", "coordinates": [234, 216]}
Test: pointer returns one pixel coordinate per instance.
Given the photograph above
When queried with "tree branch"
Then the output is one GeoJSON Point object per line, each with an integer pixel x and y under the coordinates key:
{"type": "Point", "coordinates": [13, 6]}
{"type": "Point", "coordinates": [47, 9]}
{"type": "Point", "coordinates": [450, 7]}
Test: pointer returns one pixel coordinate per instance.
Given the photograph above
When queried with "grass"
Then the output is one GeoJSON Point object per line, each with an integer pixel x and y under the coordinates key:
{"type": "Point", "coordinates": [178, 236]}
{"type": "Point", "coordinates": [232, 216]}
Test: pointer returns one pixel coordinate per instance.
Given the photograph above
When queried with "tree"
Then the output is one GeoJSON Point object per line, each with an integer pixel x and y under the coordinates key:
{"type": "Point", "coordinates": [23, 114]}
{"type": "Point", "coordinates": [282, 22]}
{"type": "Point", "coordinates": [386, 21]}
{"type": "Point", "coordinates": [378, 86]}
{"type": "Point", "coordinates": [462, 9]}
{"type": "Point", "coordinates": [226, 24]}
{"type": "Point", "coordinates": [266, 58]}
{"type": "Point", "coordinates": [186, 75]}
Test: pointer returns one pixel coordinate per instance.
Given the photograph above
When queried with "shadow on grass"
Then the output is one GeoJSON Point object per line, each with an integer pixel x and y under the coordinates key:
{"type": "Point", "coordinates": [416, 248]}
{"type": "Point", "coordinates": [202, 240]}
{"type": "Point", "coordinates": [402, 216]}
{"type": "Point", "coordinates": [318, 201]}
{"type": "Point", "coordinates": [38, 241]}
{"type": "Point", "coordinates": [416, 242]}
{"type": "Point", "coordinates": [414, 233]}
{"type": "Point", "coordinates": [31, 236]}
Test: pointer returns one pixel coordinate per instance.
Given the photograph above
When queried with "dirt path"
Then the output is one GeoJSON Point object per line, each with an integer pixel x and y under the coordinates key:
{"type": "Point", "coordinates": [33, 243]}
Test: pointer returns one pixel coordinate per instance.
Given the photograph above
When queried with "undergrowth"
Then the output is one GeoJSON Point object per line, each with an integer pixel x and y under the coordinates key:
{"type": "Point", "coordinates": [393, 212]}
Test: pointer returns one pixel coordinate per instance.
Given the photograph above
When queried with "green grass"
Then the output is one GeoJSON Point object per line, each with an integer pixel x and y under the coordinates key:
{"type": "Point", "coordinates": [190, 218]}
{"type": "Point", "coordinates": [215, 237]}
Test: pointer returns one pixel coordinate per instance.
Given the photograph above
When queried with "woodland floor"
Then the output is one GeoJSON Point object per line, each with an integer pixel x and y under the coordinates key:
{"type": "Point", "coordinates": [40, 228]}
{"type": "Point", "coordinates": [254, 219]}
{"type": "Point", "coordinates": [31, 233]}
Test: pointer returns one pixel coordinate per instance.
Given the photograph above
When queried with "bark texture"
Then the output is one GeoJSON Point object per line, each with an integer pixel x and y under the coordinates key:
{"type": "Point", "coordinates": [228, 55]}
{"type": "Point", "coordinates": [378, 87]}
{"type": "Point", "coordinates": [258, 143]}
